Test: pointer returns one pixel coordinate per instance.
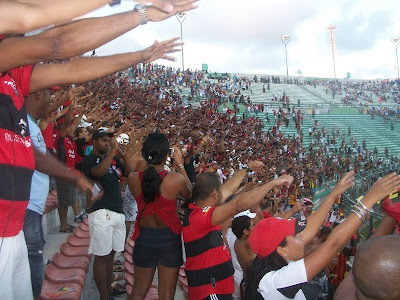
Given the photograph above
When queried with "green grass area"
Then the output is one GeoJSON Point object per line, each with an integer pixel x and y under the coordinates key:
{"type": "Point", "coordinates": [344, 111]}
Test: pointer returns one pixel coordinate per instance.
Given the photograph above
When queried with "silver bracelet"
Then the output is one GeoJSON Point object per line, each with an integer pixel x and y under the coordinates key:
{"type": "Point", "coordinates": [358, 215]}
{"type": "Point", "coordinates": [363, 211]}
{"type": "Point", "coordinates": [363, 206]}
{"type": "Point", "coordinates": [181, 166]}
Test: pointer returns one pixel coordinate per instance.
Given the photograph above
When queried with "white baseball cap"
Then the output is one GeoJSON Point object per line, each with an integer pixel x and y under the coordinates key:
{"type": "Point", "coordinates": [245, 213]}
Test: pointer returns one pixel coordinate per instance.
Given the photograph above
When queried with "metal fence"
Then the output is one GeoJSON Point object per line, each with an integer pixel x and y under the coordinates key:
{"type": "Point", "coordinates": [363, 182]}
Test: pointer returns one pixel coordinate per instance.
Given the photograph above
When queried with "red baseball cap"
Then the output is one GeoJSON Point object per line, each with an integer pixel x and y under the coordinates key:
{"type": "Point", "coordinates": [269, 233]}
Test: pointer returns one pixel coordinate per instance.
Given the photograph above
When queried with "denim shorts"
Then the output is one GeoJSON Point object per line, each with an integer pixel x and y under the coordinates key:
{"type": "Point", "coordinates": [157, 246]}
{"type": "Point", "coordinates": [33, 232]}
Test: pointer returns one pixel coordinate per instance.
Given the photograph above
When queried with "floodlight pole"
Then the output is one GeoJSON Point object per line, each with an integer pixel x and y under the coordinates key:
{"type": "Point", "coordinates": [285, 40]}
{"type": "Point", "coordinates": [181, 18]}
{"type": "Point", "coordinates": [332, 29]}
{"type": "Point", "coordinates": [396, 42]}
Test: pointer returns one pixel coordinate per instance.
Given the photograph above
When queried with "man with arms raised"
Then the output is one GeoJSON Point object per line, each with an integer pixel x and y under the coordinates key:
{"type": "Point", "coordinates": [208, 263]}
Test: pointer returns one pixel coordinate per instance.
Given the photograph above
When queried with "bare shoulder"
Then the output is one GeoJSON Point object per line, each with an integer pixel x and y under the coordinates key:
{"type": "Point", "coordinates": [173, 177]}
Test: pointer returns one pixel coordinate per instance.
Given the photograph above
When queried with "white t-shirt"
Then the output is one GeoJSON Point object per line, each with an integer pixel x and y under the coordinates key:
{"type": "Point", "coordinates": [285, 283]}
{"type": "Point", "coordinates": [231, 238]}
{"type": "Point", "coordinates": [238, 275]}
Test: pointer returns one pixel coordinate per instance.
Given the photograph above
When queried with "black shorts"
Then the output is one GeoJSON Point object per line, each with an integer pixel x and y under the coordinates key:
{"type": "Point", "coordinates": [66, 193]}
{"type": "Point", "coordinates": [157, 246]}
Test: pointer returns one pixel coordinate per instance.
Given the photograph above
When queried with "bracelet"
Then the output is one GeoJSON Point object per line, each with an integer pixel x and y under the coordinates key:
{"type": "Point", "coordinates": [358, 215]}
{"type": "Point", "coordinates": [363, 212]}
{"type": "Point", "coordinates": [363, 206]}
{"type": "Point", "coordinates": [181, 166]}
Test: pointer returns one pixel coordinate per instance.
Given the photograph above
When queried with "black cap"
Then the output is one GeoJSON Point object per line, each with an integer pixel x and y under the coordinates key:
{"type": "Point", "coordinates": [100, 133]}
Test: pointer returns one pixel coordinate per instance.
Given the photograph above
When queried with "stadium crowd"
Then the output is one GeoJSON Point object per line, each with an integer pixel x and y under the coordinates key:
{"type": "Point", "coordinates": [129, 151]}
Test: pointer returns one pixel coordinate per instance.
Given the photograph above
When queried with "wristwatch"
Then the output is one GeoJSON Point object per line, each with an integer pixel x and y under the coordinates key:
{"type": "Point", "coordinates": [115, 2]}
{"type": "Point", "coordinates": [141, 9]}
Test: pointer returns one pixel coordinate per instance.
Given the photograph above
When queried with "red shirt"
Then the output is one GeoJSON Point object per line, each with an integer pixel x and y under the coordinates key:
{"type": "Point", "coordinates": [266, 215]}
{"type": "Point", "coordinates": [66, 151]}
{"type": "Point", "coordinates": [208, 267]}
{"type": "Point", "coordinates": [164, 209]}
{"type": "Point", "coordinates": [48, 136]}
{"type": "Point", "coordinates": [16, 152]}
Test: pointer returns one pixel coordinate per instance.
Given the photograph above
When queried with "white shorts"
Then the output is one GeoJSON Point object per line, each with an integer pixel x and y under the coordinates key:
{"type": "Point", "coordinates": [15, 274]}
{"type": "Point", "coordinates": [107, 232]}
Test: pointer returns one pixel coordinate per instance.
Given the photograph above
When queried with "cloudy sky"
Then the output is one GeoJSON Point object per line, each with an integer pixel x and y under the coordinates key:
{"type": "Point", "coordinates": [244, 36]}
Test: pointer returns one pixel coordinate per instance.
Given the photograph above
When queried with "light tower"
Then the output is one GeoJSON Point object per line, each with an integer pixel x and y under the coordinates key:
{"type": "Point", "coordinates": [285, 40]}
{"type": "Point", "coordinates": [332, 29]}
{"type": "Point", "coordinates": [396, 42]}
{"type": "Point", "coordinates": [181, 18]}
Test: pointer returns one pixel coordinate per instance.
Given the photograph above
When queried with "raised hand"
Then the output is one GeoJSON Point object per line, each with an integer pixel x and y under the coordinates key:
{"type": "Point", "coordinates": [74, 92]}
{"type": "Point", "coordinates": [255, 165]}
{"type": "Point", "coordinates": [161, 10]}
{"type": "Point", "coordinates": [160, 50]}
{"type": "Point", "coordinates": [298, 206]}
{"type": "Point", "coordinates": [177, 156]}
{"type": "Point", "coordinates": [381, 188]}
{"type": "Point", "coordinates": [346, 182]}
{"type": "Point", "coordinates": [283, 180]}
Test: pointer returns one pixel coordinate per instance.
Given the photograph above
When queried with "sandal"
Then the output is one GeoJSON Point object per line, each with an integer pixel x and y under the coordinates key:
{"type": "Point", "coordinates": [118, 262]}
{"type": "Point", "coordinates": [67, 230]}
{"type": "Point", "coordinates": [117, 278]}
{"type": "Point", "coordinates": [119, 286]}
{"type": "Point", "coordinates": [119, 269]}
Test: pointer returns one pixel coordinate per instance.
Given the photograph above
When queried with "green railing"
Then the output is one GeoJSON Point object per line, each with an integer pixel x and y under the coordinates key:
{"type": "Point", "coordinates": [365, 179]}
{"type": "Point", "coordinates": [363, 182]}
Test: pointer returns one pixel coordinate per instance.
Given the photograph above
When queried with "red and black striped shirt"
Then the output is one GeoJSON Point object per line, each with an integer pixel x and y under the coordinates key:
{"type": "Point", "coordinates": [17, 161]}
{"type": "Point", "coordinates": [209, 268]}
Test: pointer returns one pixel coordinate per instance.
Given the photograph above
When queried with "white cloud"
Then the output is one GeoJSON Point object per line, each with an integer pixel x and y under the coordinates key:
{"type": "Point", "coordinates": [244, 36]}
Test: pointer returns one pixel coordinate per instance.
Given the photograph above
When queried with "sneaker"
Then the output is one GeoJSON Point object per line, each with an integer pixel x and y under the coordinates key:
{"type": "Point", "coordinates": [79, 218]}
{"type": "Point", "coordinates": [115, 292]}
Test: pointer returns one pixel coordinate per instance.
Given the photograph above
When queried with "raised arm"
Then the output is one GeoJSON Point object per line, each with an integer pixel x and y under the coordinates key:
{"type": "Point", "coordinates": [102, 168]}
{"type": "Point", "coordinates": [314, 222]}
{"type": "Point", "coordinates": [74, 125]}
{"type": "Point", "coordinates": [294, 210]}
{"type": "Point", "coordinates": [231, 186]}
{"type": "Point", "coordinates": [246, 200]}
{"type": "Point", "coordinates": [69, 95]}
{"type": "Point", "coordinates": [77, 37]}
{"type": "Point", "coordinates": [26, 15]}
{"type": "Point", "coordinates": [318, 259]}
{"type": "Point", "coordinates": [23, 16]}
{"type": "Point", "coordinates": [90, 68]}
{"type": "Point", "coordinates": [186, 189]}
